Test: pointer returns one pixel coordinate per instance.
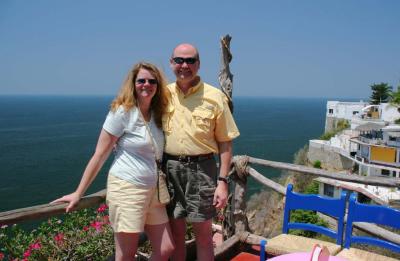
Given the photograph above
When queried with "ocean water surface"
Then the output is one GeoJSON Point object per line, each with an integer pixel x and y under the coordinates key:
{"type": "Point", "coordinates": [46, 141]}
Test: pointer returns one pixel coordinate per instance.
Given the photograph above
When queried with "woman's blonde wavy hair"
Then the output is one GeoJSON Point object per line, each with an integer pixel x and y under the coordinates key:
{"type": "Point", "coordinates": [127, 94]}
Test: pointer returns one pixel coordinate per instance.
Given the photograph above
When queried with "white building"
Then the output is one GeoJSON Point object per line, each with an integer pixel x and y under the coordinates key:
{"type": "Point", "coordinates": [370, 148]}
{"type": "Point", "coordinates": [336, 110]}
{"type": "Point", "coordinates": [344, 110]}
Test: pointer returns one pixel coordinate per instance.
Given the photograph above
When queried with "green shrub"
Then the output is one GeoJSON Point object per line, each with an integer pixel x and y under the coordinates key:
{"type": "Point", "coordinates": [327, 135]}
{"type": "Point", "coordinates": [340, 126]}
{"type": "Point", "coordinates": [306, 216]}
{"type": "Point", "coordinates": [313, 188]}
{"type": "Point", "coordinates": [82, 235]}
{"type": "Point", "coordinates": [317, 164]}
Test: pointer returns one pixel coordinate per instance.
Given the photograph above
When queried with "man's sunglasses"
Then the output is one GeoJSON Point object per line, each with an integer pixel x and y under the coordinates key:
{"type": "Point", "coordinates": [143, 81]}
{"type": "Point", "coordinates": [181, 60]}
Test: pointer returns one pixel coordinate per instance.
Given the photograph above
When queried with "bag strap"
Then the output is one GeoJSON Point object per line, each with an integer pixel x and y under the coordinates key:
{"type": "Point", "coordinates": [153, 145]}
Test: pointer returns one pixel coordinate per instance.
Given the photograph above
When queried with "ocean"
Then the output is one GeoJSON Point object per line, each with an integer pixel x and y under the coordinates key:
{"type": "Point", "coordinates": [46, 141]}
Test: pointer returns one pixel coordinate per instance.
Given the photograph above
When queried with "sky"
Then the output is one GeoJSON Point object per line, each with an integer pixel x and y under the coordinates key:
{"type": "Point", "coordinates": [333, 49]}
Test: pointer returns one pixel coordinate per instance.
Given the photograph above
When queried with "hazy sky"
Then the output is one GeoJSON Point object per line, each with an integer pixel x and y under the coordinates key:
{"type": "Point", "coordinates": [280, 48]}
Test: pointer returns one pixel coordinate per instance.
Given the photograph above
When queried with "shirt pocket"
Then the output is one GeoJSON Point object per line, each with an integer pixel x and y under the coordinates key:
{"type": "Point", "coordinates": [203, 120]}
{"type": "Point", "coordinates": [166, 119]}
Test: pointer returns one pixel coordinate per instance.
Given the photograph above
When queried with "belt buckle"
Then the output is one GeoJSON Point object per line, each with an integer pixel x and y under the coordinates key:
{"type": "Point", "coordinates": [181, 158]}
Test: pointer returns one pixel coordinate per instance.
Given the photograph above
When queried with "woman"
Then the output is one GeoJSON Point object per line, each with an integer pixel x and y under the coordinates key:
{"type": "Point", "coordinates": [132, 179]}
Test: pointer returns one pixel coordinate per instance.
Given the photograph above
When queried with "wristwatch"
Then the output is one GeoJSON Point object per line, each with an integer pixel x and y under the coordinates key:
{"type": "Point", "coordinates": [223, 179]}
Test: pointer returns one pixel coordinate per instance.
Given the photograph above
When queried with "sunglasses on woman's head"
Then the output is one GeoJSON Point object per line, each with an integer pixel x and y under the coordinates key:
{"type": "Point", "coordinates": [181, 60]}
{"type": "Point", "coordinates": [143, 81]}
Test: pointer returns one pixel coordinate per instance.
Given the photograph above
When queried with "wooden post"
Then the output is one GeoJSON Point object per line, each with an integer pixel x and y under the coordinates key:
{"type": "Point", "coordinates": [239, 195]}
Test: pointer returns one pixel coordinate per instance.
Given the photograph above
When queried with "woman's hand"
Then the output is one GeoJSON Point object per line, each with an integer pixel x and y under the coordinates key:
{"type": "Point", "coordinates": [72, 199]}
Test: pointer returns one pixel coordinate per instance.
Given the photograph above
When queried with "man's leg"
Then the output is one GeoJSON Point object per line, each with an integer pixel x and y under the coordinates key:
{"type": "Point", "coordinates": [178, 227]}
{"type": "Point", "coordinates": [204, 244]}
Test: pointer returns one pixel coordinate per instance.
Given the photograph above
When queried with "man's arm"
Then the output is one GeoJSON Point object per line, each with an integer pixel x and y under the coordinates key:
{"type": "Point", "coordinates": [221, 192]}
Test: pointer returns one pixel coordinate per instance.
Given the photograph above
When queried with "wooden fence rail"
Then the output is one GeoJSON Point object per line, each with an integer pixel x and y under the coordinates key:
{"type": "Point", "coordinates": [48, 210]}
{"type": "Point", "coordinates": [376, 181]}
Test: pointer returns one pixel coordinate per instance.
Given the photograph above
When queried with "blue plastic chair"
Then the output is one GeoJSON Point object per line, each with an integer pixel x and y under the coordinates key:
{"type": "Point", "coordinates": [333, 207]}
{"type": "Point", "coordinates": [263, 257]}
{"type": "Point", "coordinates": [380, 215]}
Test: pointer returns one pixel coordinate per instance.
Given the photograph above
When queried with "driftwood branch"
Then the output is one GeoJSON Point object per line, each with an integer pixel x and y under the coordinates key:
{"type": "Point", "coordinates": [226, 250]}
{"type": "Point", "coordinates": [225, 76]}
{"type": "Point", "coordinates": [266, 181]}
{"type": "Point", "coordinates": [48, 210]}
{"type": "Point", "coordinates": [235, 244]}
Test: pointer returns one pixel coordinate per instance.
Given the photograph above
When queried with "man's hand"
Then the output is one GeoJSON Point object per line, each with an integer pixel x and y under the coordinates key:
{"type": "Point", "coordinates": [221, 195]}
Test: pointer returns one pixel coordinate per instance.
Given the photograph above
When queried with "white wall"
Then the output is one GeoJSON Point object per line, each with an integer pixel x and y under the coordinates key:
{"type": "Point", "coordinates": [389, 113]}
{"type": "Point", "coordinates": [344, 110]}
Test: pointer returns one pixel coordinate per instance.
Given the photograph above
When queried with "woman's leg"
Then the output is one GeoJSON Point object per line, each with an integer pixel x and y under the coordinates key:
{"type": "Point", "coordinates": [125, 246]}
{"type": "Point", "coordinates": [161, 241]}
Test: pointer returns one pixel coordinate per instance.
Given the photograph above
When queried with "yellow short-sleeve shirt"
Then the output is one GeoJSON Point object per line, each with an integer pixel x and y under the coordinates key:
{"type": "Point", "coordinates": [194, 123]}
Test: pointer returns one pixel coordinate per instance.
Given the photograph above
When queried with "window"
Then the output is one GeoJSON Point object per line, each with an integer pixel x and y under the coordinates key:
{"type": "Point", "coordinates": [393, 173]}
{"type": "Point", "coordinates": [392, 138]}
{"type": "Point", "coordinates": [385, 172]}
{"type": "Point", "coordinates": [328, 190]}
{"type": "Point", "coordinates": [330, 111]}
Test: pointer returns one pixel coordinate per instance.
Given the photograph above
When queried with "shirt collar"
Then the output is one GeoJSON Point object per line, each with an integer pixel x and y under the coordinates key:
{"type": "Point", "coordinates": [192, 89]}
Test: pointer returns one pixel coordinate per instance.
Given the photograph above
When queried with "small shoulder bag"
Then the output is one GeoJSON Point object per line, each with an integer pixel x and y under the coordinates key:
{"type": "Point", "coordinates": [162, 188]}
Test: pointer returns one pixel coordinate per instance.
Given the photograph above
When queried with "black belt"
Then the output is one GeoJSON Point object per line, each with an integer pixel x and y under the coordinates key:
{"type": "Point", "coordinates": [187, 159]}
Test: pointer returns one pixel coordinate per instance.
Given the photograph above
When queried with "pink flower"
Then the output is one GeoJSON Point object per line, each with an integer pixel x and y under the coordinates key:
{"type": "Point", "coordinates": [102, 208]}
{"type": "Point", "coordinates": [35, 245]}
{"type": "Point", "coordinates": [1, 256]}
{"type": "Point", "coordinates": [27, 253]}
{"type": "Point", "coordinates": [59, 238]}
{"type": "Point", "coordinates": [97, 225]}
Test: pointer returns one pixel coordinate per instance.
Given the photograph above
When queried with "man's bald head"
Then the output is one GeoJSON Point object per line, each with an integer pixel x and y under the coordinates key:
{"type": "Point", "coordinates": [186, 48]}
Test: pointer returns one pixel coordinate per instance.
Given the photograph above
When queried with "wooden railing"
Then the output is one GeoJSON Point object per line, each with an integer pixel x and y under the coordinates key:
{"type": "Point", "coordinates": [235, 225]}
{"type": "Point", "coordinates": [48, 210]}
{"type": "Point", "coordinates": [242, 170]}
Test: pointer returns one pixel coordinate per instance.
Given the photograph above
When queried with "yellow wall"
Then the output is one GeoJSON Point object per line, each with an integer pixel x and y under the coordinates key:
{"type": "Point", "coordinates": [375, 115]}
{"type": "Point", "coordinates": [383, 154]}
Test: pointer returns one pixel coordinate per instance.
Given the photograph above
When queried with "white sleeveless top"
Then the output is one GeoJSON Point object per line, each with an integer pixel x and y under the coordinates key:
{"type": "Point", "coordinates": [134, 155]}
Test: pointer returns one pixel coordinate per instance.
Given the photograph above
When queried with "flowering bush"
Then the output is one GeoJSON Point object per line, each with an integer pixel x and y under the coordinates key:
{"type": "Point", "coordinates": [82, 235]}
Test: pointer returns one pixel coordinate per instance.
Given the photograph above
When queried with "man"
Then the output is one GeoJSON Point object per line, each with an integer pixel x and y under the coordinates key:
{"type": "Point", "coordinates": [197, 124]}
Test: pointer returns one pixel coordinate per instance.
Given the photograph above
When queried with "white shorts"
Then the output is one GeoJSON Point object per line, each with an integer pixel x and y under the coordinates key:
{"type": "Point", "coordinates": [131, 207]}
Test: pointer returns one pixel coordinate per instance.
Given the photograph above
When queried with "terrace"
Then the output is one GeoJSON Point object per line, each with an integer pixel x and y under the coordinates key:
{"type": "Point", "coordinates": [236, 235]}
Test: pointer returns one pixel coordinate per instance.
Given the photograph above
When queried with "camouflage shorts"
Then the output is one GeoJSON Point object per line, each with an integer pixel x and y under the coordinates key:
{"type": "Point", "coordinates": [191, 186]}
